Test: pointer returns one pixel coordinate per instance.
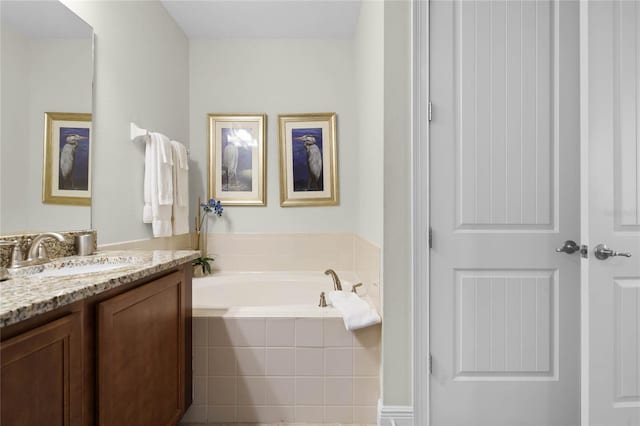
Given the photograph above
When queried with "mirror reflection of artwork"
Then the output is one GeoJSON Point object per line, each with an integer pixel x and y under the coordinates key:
{"type": "Point", "coordinates": [237, 162]}
{"type": "Point", "coordinates": [307, 159]}
{"type": "Point", "coordinates": [67, 159]}
{"type": "Point", "coordinates": [74, 159]}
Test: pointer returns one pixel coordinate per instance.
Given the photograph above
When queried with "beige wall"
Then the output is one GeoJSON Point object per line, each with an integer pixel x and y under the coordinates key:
{"type": "Point", "coordinates": [276, 77]}
{"type": "Point", "coordinates": [142, 76]}
{"type": "Point", "coordinates": [396, 265]}
{"type": "Point", "coordinates": [369, 83]}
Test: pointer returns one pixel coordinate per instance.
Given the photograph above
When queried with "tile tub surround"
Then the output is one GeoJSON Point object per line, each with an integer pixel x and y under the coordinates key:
{"type": "Point", "coordinates": [283, 370]}
{"type": "Point", "coordinates": [257, 252]}
{"type": "Point", "coordinates": [55, 249]}
{"type": "Point", "coordinates": [24, 297]}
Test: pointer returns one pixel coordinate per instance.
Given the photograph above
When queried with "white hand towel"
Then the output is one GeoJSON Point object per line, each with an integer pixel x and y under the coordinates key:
{"type": "Point", "coordinates": [149, 172]}
{"type": "Point", "coordinates": [356, 313]}
{"type": "Point", "coordinates": [165, 169]}
{"type": "Point", "coordinates": [161, 173]}
{"type": "Point", "coordinates": [180, 189]}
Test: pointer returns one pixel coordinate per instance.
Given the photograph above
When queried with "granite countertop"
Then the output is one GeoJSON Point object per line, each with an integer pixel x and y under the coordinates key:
{"type": "Point", "coordinates": [25, 296]}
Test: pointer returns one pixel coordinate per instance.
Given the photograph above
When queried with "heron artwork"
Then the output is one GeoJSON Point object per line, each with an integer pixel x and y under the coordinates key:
{"type": "Point", "coordinates": [314, 161]}
{"type": "Point", "coordinates": [236, 159]}
{"type": "Point", "coordinates": [68, 159]}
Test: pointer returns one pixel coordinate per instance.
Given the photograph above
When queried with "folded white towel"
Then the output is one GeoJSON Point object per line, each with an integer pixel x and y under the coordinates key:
{"type": "Point", "coordinates": [180, 189]}
{"type": "Point", "coordinates": [149, 177]}
{"type": "Point", "coordinates": [356, 313]}
{"type": "Point", "coordinates": [159, 184]}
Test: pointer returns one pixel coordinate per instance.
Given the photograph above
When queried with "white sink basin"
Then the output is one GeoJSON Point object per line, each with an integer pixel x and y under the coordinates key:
{"type": "Point", "coordinates": [80, 269]}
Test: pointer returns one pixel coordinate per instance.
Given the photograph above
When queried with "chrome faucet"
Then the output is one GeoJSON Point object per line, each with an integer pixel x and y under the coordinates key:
{"type": "Point", "coordinates": [337, 286]}
{"type": "Point", "coordinates": [37, 253]}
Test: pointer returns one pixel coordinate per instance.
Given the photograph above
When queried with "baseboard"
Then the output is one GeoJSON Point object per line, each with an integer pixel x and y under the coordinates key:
{"type": "Point", "coordinates": [395, 415]}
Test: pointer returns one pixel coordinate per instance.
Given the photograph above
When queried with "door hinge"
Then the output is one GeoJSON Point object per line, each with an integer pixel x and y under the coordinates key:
{"type": "Point", "coordinates": [430, 237]}
{"type": "Point", "coordinates": [584, 251]}
{"type": "Point", "coordinates": [429, 108]}
{"type": "Point", "coordinates": [430, 364]}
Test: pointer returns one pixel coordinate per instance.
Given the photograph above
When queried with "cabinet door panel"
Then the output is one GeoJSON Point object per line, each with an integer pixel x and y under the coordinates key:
{"type": "Point", "coordinates": [42, 375]}
{"type": "Point", "coordinates": [141, 355]}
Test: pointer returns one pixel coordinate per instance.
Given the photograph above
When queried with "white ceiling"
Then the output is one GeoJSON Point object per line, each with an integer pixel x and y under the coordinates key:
{"type": "Point", "coordinates": [43, 19]}
{"type": "Point", "coordinates": [213, 19]}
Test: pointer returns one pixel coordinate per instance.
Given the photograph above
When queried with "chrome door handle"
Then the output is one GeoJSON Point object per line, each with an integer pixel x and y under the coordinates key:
{"type": "Point", "coordinates": [602, 252]}
{"type": "Point", "coordinates": [568, 247]}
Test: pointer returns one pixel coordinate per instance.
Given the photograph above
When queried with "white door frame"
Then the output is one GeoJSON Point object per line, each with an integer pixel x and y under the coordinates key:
{"type": "Point", "coordinates": [421, 112]}
{"type": "Point", "coordinates": [584, 211]}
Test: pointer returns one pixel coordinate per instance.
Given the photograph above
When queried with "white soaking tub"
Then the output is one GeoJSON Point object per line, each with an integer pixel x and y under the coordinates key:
{"type": "Point", "coordinates": [264, 352]}
{"type": "Point", "coordinates": [266, 294]}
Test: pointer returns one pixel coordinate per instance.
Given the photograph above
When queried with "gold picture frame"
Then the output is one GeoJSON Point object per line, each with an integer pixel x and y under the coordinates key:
{"type": "Point", "coordinates": [66, 172]}
{"type": "Point", "coordinates": [237, 159]}
{"type": "Point", "coordinates": [308, 159]}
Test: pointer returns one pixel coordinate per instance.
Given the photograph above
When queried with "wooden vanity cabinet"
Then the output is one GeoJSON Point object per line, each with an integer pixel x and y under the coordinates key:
{"type": "Point", "coordinates": [122, 357]}
{"type": "Point", "coordinates": [140, 354]}
{"type": "Point", "coordinates": [41, 375]}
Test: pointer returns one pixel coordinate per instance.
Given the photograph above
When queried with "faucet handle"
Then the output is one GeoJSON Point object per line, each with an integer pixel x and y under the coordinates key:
{"type": "Point", "coordinates": [15, 250]}
{"type": "Point", "coordinates": [354, 288]}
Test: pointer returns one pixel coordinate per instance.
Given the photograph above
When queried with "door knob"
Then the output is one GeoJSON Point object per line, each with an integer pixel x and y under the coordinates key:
{"type": "Point", "coordinates": [568, 247]}
{"type": "Point", "coordinates": [602, 252]}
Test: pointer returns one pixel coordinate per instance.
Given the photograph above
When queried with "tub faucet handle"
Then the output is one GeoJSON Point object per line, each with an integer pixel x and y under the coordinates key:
{"type": "Point", "coordinates": [354, 288]}
{"type": "Point", "coordinates": [323, 301]}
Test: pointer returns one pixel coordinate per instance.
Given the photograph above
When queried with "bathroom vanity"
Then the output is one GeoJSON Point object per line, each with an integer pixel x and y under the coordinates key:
{"type": "Point", "coordinates": [108, 348]}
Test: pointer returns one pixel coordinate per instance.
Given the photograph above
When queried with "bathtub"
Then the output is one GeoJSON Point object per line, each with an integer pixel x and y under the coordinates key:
{"type": "Point", "coordinates": [266, 294]}
{"type": "Point", "coordinates": [264, 352]}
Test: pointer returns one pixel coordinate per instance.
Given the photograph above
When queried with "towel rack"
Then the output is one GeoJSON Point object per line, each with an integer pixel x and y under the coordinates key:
{"type": "Point", "coordinates": [137, 132]}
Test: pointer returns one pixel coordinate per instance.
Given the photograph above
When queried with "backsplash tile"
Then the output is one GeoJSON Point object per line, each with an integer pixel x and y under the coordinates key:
{"type": "Point", "coordinates": [55, 249]}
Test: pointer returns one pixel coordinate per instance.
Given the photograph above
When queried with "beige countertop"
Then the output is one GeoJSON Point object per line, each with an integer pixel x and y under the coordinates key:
{"type": "Point", "coordinates": [25, 296]}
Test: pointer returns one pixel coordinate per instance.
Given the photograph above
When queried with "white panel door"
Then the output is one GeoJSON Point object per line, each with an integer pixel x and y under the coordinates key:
{"type": "Point", "coordinates": [504, 194]}
{"type": "Point", "coordinates": [611, 126]}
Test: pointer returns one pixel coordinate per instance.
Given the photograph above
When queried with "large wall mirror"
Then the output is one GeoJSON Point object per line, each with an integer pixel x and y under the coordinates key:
{"type": "Point", "coordinates": [46, 138]}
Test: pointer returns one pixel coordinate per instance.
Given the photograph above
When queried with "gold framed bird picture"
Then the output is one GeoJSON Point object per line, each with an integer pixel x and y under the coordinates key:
{"type": "Point", "coordinates": [308, 159]}
{"type": "Point", "coordinates": [66, 174]}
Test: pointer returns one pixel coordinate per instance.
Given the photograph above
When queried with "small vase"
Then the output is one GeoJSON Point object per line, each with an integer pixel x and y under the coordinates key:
{"type": "Point", "coordinates": [197, 271]}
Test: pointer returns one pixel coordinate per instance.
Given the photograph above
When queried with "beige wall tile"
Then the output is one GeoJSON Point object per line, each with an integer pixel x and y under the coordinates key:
{"type": "Point", "coordinates": [251, 361]}
{"type": "Point", "coordinates": [280, 332]}
{"type": "Point", "coordinates": [335, 335]}
{"type": "Point", "coordinates": [247, 331]}
{"type": "Point", "coordinates": [338, 361]}
{"type": "Point", "coordinates": [309, 391]}
{"type": "Point", "coordinates": [221, 390]}
{"type": "Point", "coordinates": [338, 414]}
{"type": "Point", "coordinates": [309, 332]}
{"type": "Point", "coordinates": [366, 390]}
{"type": "Point", "coordinates": [218, 333]}
{"type": "Point", "coordinates": [195, 414]}
{"type": "Point", "coordinates": [338, 391]}
{"type": "Point", "coordinates": [309, 414]}
{"type": "Point", "coordinates": [200, 390]}
{"type": "Point", "coordinates": [280, 361]}
{"type": "Point", "coordinates": [365, 415]}
{"type": "Point", "coordinates": [200, 361]}
{"type": "Point", "coordinates": [279, 414]}
{"type": "Point", "coordinates": [222, 362]}
{"type": "Point", "coordinates": [367, 337]}
{"type": "Point", "coordinates": [280, 391]}
{"type": "Point", "coordinates": [309, 362]}
{"type": "Point", "coordinates": [366, 361]}
{"type": "Point", "coordinates": [251, 391]}
{"type": "Point", "coordinates": [221, 413]}
{"type": "Point", "coordinates": [199, 332]}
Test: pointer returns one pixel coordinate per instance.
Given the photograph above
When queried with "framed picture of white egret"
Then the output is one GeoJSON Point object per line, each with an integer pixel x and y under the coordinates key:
{"type": "Point", "coordinates": [308, 159]}
{"type": "Point", "coordinates": [237, 154]}
{"type": "Point", "coordinates": [66, 175]}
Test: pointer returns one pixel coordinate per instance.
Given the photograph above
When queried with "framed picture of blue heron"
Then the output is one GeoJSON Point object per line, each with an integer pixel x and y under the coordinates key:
{"type": "Point", "coordinates": [66, 177]}
{"type": "Point", "coordinates": [308, 159]}
{"type": "Point", "coordinates": [237, 153]}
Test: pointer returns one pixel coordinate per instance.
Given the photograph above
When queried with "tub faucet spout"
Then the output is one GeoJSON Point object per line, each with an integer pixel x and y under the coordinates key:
{"type": "Point", "coordinates": [337, 286]}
